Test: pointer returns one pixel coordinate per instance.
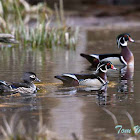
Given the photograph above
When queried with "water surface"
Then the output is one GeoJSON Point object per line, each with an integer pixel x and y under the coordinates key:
{"type": "Point", "coordinates": [73, 110]}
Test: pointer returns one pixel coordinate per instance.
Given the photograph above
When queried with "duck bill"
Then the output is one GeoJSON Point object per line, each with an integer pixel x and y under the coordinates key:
{"type": "Point", "coordinates": [37, 80]}
{"type": "Point", "coordinates": [131, 40]}
{"type": "Point", "coordinates": [113, 67]}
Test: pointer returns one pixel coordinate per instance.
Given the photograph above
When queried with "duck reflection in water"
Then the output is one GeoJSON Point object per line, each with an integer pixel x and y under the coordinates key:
{"type": "Point", "coordinates": [101, 95]}
{"type": "Point", "coordinates": [126, 80]}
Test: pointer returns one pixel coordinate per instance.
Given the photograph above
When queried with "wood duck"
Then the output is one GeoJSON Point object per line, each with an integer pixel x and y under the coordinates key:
{"type": "Point", "coordinates": [124, 58]}
{"type": "Point", "coordinates": [25, 87]}
{"type": "Point", "coordinates": [95, 80]}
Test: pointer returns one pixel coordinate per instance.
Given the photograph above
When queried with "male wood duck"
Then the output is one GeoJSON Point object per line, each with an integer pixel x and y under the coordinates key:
{"type": "Point", "coordinates": [124, 58]}
{"type": "Point", "coordinates": [95, 80]}
{"type": "Point", "coordinates": [25, 87]}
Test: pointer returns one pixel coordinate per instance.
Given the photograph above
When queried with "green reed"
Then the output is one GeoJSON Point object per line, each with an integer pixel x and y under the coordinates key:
{"type": "Point", "coordinates": [43, 34]}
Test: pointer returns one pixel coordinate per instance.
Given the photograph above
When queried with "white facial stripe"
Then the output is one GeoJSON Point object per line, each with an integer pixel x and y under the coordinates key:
{"type": "Point", "coordinates": [119, 42]}
{"type": "Point", "coordinates": [98, 67]}
{"type": "Point", "coordinates": [102, 69]}
{"type": "Point", "coordinates": [123, 39]}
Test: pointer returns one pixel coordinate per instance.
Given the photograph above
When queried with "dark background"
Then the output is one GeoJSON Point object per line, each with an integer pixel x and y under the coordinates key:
{"type": "Point", "coordinates": [72, 3]}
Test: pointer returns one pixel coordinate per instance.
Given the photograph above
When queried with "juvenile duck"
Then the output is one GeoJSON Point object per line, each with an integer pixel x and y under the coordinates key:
{"type": "Point", "coordinates": [95, 80]}
{"type": "Point", "coordinates": [25, 87]}
{"type": "Point", "coordinates": [124, 58]}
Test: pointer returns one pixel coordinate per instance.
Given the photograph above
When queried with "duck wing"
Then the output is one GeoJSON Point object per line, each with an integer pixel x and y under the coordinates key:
{"type": "Point", "coordinates": [85, 76]}
{"type": "Point", "coordinates": [17, 85]}
{"type": "Point", "coordinates": [116, 59]}
{"type": "Point", "coordinates": [68, 79]}
{"type": "Point", "coordinates": [92, 58]}
{"type": "Point", "coordinates": [73, 79]}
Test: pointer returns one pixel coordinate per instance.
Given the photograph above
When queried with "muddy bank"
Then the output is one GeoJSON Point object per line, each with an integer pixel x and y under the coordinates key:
{"type": "Point", "coordinates": [101, 16]}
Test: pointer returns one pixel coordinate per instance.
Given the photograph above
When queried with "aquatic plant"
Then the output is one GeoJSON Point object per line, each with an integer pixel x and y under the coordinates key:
{"type": "Point", "coordinates": [42, 34]}
{"type": "Point", "coordinates": [15, 130]}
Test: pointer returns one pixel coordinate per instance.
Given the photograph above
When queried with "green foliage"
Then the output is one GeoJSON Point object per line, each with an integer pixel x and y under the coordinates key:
{"type": "Point", "coordinates": [42, 34]}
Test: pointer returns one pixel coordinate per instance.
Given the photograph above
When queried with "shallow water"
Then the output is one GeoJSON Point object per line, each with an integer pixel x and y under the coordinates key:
{"type": "Point", "coordinates": [73, 110]}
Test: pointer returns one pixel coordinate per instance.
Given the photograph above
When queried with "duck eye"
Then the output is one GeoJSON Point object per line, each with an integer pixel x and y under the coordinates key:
{"type": "Point", "coordinates": [125, 36]}
{"type": "Point", "coordinates": [32, 76]}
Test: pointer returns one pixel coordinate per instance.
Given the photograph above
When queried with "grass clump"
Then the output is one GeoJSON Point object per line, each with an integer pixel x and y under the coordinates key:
{"type": "Point", "coordinates": [41, 33]}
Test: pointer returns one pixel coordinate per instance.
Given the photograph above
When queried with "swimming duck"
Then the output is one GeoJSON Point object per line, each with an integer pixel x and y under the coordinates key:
{"type": "Point", "coordinates": [124, 58]}
{"type": "Point", "coordinates": [25, 87]}
{"type": "Point", "coordinates": [97, 80]}
{"type": "Point", "coordinates": [7, 38]}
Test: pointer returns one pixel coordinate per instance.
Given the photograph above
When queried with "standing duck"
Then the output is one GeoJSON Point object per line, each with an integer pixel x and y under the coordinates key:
{"type": "Point", "coordinates": [25, 87]}
{"type": "Point", "coordinates": [124, 58]}
{"type": "Point", "coordinates": [95, 80]}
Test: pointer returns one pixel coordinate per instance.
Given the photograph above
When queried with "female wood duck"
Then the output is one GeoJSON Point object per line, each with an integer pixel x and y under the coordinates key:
{"type": "Point", "coordinates": [124, 58]}
{"type": "Point", "coordinates": [25, 87]}
{"type": "Point", "coordinates": [96, 80]}
{"type": "Point", "coordinates": [7, 38]}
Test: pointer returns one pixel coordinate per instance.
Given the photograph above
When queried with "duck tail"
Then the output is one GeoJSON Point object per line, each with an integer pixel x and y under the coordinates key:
{"type": "Point", "coordinates": [91, 58]}
{"type": "Point", "coordinates": [60, 78]}
{"type": "Point", "coordinates": [4, 86]}
{"type": "Point", "coordinates": [67, 81]}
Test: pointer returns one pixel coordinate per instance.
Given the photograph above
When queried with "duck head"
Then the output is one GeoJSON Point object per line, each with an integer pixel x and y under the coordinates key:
{"type": "Point", "coordinates": [122, 40]}
{"type": "Point", "coordinates": [103, 66]}
{"type": "Point", "coordinates": [30, 77]}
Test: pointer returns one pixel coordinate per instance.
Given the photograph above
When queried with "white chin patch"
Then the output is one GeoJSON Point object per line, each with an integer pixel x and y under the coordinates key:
{"type": "Point", "coordinates": [124, 44]}
{"type": "Point", "coordinates": [103, 70]}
